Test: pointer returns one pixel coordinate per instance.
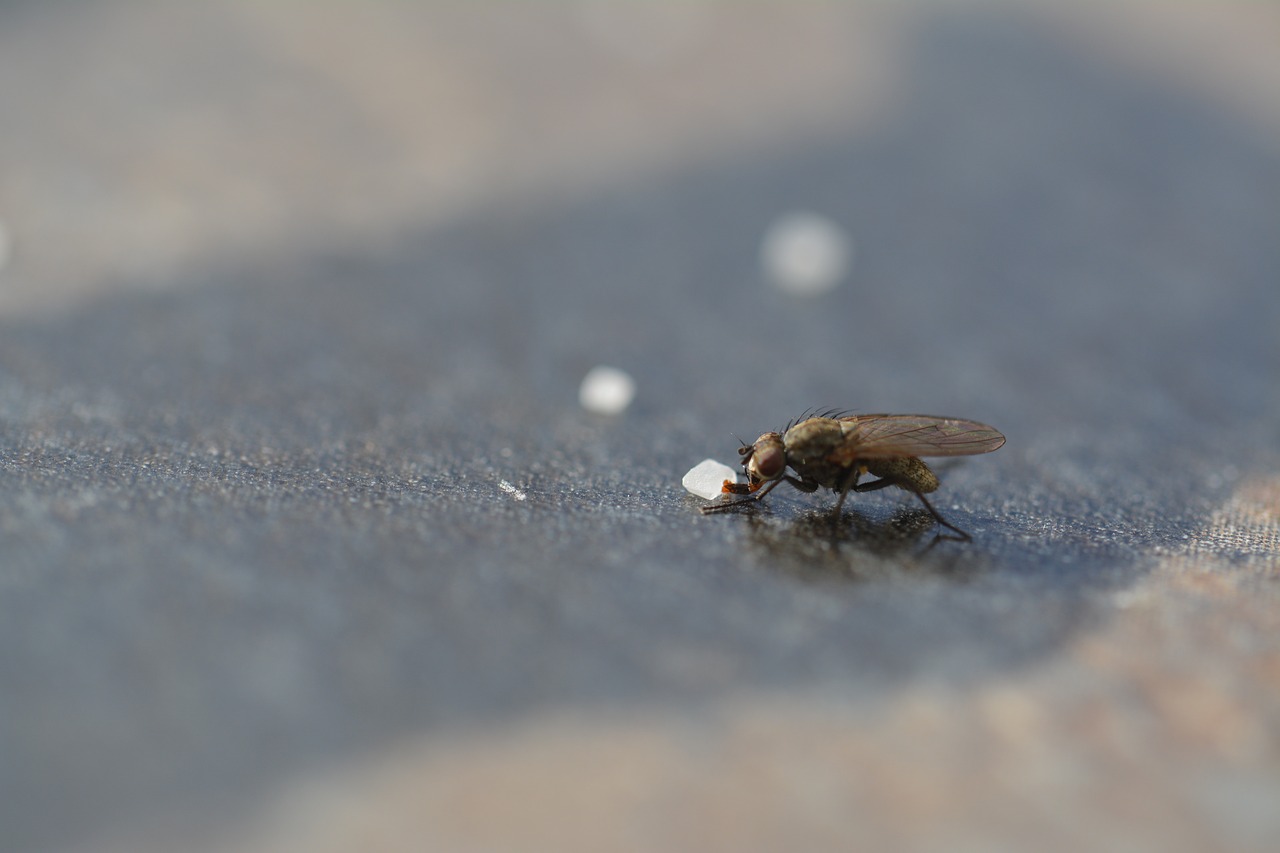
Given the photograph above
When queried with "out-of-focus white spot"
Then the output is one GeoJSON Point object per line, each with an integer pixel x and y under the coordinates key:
{"type": "Point", "coordinates": [606, 390]}
{"type": "Point", "coordinates": [706, 478]}
{"type": "Point", "coordinates": [512, 490]}
{"type": "Point", "coordinates": [806, 253]}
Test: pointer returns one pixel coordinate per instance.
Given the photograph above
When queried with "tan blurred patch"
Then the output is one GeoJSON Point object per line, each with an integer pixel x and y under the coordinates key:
{"type": "Point", "coordinates": [1223, 51]}
{"type": "Point", "coordinates": [189, 136]}
{"type": "Point", "coordinates": [1047, 762]}
{"type": "Point", "coordinates": [1248, 524]}
{"type": "Point", "coordinates": [1157, 728]}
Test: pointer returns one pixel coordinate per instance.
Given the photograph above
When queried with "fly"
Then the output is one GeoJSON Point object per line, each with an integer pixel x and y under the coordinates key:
{"type": "Point", "coordinates": [834, 452]}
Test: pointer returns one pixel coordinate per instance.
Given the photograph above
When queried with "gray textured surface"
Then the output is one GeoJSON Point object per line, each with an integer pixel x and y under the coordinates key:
{"type": "Point", "coordinates": [254, 522]}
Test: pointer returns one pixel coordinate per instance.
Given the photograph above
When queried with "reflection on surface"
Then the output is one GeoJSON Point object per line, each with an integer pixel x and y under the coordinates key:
{"type": "Point", "coordinates": [823, 544]}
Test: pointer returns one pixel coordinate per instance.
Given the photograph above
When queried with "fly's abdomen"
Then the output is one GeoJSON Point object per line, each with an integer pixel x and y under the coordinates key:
{"type": "Point", "coordinates": [907, 470]}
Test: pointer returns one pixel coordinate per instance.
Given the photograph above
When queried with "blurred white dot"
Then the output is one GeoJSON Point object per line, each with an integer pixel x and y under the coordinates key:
{"type": "Point", "coordinates": [707, 477]}
{"type": "Point", "coordinates": [806, 253]}
{"type": "Point", "coordinates": [606, 390]}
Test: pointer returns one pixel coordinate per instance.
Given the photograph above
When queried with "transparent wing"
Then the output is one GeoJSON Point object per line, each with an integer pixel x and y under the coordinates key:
{"type": "Point", "coordinates": [892, 436]}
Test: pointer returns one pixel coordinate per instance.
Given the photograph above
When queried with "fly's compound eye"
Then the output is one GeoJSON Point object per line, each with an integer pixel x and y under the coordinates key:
{"type": "Point", "coordinates": [769, 462]}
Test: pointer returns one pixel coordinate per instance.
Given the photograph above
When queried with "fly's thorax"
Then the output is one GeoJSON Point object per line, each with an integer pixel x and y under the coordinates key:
{"type": "Point", "coordinates": [813, 440]}
{"type": "Point", "coordinates": [905, 469]}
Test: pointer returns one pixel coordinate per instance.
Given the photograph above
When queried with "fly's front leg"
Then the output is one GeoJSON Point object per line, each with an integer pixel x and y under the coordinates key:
{"type": "Point", "coordinates": [801, 483]}
{"type": "Point", "coordinates": [740, 501]}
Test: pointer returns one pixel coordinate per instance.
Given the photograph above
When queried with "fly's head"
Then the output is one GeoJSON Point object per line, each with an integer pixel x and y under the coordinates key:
{"type": "Point", "coordinates": [763, 462]}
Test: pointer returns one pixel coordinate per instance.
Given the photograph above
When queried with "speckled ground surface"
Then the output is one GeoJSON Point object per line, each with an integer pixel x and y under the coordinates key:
{"type": "Point", "coordinates": [298, 302]}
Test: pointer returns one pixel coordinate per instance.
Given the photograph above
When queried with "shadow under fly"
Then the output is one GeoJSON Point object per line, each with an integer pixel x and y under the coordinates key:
{"type": "Point", "coordinates": [851, 545]}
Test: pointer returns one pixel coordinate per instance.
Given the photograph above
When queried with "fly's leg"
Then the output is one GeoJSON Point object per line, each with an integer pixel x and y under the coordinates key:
{"type": "Point", "coordinates": [884, 482]}
{"type": "Point", "coordinates": [740, 501]}
{"type": "Point", "coordinates": [803, 485]}
{"type": "Point", "coordinates": [964, 537]}
{"type": "Point", "coordinates": [851, 482]}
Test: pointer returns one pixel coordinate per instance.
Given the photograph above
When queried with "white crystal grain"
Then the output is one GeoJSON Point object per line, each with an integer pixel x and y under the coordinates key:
{"type": "Point", "coordinates": [706, 478]}
{"type": "Point", "coordinates": [512, 490]}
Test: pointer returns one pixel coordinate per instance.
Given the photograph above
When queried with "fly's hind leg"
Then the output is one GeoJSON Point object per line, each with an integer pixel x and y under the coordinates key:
{"type": "Point", "coordinates": [885, 482]}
